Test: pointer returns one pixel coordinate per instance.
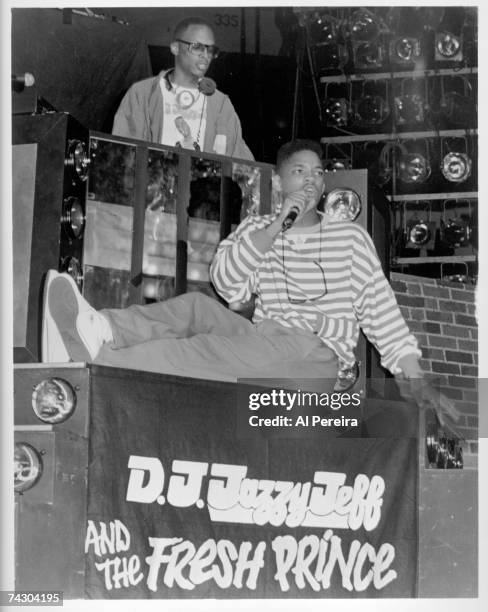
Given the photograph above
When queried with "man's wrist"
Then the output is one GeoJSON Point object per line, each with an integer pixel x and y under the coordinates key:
{"type": "Point", "coordinates": [274, 228]}
{"type": "Point", "coordinates": [262, 239]}
{"type": "Point", "coordinates": [409, 366]}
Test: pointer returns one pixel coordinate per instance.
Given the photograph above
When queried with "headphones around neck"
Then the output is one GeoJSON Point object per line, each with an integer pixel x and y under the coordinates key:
{"type": "Point", "coordinates": [206, 85]}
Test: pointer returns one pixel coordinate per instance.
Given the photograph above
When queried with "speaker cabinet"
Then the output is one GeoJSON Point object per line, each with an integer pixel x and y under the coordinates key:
{"type": "Point", "coordinates": [375, 212]}
{"type": "Point", "coordinates": [50, 516]}
{"type": "Point", "coordinates": [49, 169]}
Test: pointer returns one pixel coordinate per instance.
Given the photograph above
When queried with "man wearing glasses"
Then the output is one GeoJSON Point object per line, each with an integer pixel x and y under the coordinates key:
{"type": "Point", "coordinates": [181, 107]}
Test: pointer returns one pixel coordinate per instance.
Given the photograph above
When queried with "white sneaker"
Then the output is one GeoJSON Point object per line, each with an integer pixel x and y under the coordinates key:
{"type": "Point", "coordinates": [53, 349]}
{"type": "Point", "coordinates": [71, 328]}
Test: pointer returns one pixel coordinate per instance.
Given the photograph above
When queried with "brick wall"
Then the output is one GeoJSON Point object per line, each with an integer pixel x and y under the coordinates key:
{"type": "Point", "coordinates": [442, 317]}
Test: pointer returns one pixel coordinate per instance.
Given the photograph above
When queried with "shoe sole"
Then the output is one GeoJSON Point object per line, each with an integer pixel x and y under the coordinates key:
{"type": "Point", "coordinates": [63, 307]}
{"type": "Point", "coordinates": [52, 348]}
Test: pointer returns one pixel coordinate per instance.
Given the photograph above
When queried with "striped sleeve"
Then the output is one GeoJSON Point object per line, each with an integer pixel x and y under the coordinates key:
{"type": "Point", "coordinates": [337, 327]}
{"type": "Point", "coordinates": [233, 268]}
{"type": "Point", "coordinates": [376, 307]}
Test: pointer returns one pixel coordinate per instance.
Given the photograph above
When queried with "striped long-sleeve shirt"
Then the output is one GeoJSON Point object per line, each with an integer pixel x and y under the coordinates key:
{"type": "Point", "coordinates": [335, 267]}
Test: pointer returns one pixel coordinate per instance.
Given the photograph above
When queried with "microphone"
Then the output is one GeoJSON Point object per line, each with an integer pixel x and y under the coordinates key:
{"type": "Point", "coordinates": [290, 218]}
{"type": "Point", "coordinates": [21, 81]}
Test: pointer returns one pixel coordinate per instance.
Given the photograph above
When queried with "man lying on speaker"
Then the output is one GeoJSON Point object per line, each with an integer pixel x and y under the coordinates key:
{"type": "Point", "coordinates": [316, 280]}
{"type": "Point", "coordinates": [182, 107]}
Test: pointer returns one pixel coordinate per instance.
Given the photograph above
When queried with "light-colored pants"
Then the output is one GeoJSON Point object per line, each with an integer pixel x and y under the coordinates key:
{"type": "Point", "coordinates": [193, 335]}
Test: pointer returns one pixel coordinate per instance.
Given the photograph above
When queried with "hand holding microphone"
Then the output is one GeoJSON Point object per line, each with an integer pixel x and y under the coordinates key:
{"type": "Point", "coordinates": [293, 206]}
{"type": "Point", "coordinates": [290, 218]}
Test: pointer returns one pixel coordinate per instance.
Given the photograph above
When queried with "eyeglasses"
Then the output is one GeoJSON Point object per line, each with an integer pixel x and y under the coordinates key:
{"type": "Point", "coordinates": [317, 263]}
{"type": "Point", "coordinates": [307, 299]}
{"type": "Point", "coordinates": [197, 48]}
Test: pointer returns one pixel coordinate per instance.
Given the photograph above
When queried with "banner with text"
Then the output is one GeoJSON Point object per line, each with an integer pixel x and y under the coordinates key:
{"type": "Point", "coordinates": [180, 506]}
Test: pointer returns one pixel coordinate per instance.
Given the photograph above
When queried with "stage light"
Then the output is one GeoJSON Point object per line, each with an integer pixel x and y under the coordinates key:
{"type": "Point", "coordinates": [457, 278]}
{"type": "Point", "coordinates": [409, 109]}
{"type": "Point", "coordinates": [420, 234]}
{"type": "Point", "coordinates": [456, 164]}
{"type": "Point", "coordinates": [371, 110]}
{"type": "Point", "coordinates": [337, 111]}
{"type": "Point", "coordinates": [331, 57]}
{"type": "Point", "coordinates": [413, 168]}
{"type": "Point", "coordinates": [337, 157]}
{"type": "Point", "coordinates": [444, 453]}
{"type": "Point", "coordinates": [27, 466]}
{"type": "Point", "coordinates": [449, 35]}
{"type": "Point", "coordinates": [73, 217]}
{"type": "Point", "coordinates": [342, 204]}
{"type": "Point", "coordinates": [53, 400]}
{"type": "Point", "coordinates": [346, 378]}
{"type": "Point", "coordinates": [363, 26]}
{"type": "Point", "coordinates": [385, 161]}
{"type": "Point", "coordinates": [333, 165]}
{"type": "Point", "coordinates": [368, 55]}
{"type": "Point", "coordinates": [404, 50]}
{"type": "Point", "coordinates": [324, 29]}
{"type": "Point", "coordinates": [456, 232]}
{"type": "Point", "coordinates": [448, 47]}
{"type": "Point", "coordinates": [456, 167]}
{"type": "Point", "coordinates": [77, 159]}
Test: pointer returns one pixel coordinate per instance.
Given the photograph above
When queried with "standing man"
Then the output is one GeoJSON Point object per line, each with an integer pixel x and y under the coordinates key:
{"type": "Point", "coordinates": [180, 106]}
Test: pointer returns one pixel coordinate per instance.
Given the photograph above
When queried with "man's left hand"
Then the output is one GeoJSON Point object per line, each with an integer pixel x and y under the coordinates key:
{"type": "Point", "coordinates": [410, 367]}
{"type": "Point", "coordinates": [411, 382]}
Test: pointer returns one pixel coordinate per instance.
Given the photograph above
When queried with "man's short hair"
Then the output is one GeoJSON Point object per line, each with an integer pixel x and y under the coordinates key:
{"type": "Point", "coordinates": [294, 146]}
{"type": "Point", "coordinates": [186, 23]}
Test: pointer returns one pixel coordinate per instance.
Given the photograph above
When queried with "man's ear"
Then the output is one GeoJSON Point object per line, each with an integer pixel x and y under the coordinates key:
{"type": "Point", "coordinates": [174, 47]}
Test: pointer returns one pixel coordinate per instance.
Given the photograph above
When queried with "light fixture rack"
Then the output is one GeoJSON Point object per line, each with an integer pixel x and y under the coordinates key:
{"type": "Point", "coordinates": [350, 137]}
{"type": "Point", "coordinates": [412, 261]}
{"type": "Point", "coordinates": [414, 197]}
{"type": "Point", "coordinates": [394, 136]}
{"type": "Point", "coordinates": [404, 74]}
